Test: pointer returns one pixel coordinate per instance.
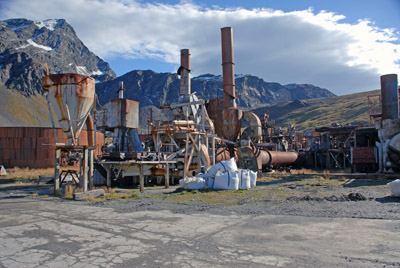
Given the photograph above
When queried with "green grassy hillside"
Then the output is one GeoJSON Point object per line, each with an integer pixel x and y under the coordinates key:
{"type": "Point", "coordinates": [309, 114]}
{"type": "Point", "coordinates": [18, 110]}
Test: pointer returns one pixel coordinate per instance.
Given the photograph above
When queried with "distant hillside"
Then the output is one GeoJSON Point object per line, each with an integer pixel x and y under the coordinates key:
{"type": "Point", "coordinates": [310, 114]}
{"type": "Point", "coordinates": [18, 110]}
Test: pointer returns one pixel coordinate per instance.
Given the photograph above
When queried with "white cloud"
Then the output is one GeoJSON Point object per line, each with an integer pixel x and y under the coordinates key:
{"type": "Point", "coordinates": [285, 47]}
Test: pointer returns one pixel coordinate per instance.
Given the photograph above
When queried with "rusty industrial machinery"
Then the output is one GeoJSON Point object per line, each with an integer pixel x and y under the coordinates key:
{"type": "Point", "coordinates": [229, 120]}
{"type": "Point", "coordinates": [123, 158]}
{"type": "Point", "coordinates": [72, 97]}
{"type": "Point", "coordinates": [187, 135]}
{"type": "Point", "coordinates": [189, 139]}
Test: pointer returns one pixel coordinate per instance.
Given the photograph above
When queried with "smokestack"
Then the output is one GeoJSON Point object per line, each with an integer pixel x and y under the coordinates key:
{"type": "Point", "coordinates": [228, 71]}
{"type": "Point", "coordinates": [390, 96]}
{"type": "Point", "coordinates": [184, 72]}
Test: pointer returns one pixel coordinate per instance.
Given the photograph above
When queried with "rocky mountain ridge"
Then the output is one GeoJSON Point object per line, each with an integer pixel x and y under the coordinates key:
{"type": "Point", "coordinates": [27, 46]}
{"type": "Point", "coordinates": [151, 88]}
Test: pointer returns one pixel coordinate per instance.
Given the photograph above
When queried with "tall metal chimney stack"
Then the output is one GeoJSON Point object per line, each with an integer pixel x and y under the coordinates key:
{"type": "Point", "coordinates": [390, 96]}
{"type": "Point", "coordinates": [184, 72]}
{"type": "Point", "coordinates": [228, 71]}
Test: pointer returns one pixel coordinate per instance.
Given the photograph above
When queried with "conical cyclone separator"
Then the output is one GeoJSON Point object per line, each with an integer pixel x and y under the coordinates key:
{"type": "Point", "coordinates": [72, 97]}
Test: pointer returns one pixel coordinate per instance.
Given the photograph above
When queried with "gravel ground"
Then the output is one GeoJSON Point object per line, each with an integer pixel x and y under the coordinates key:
{"type": "Point", "coordinates": [286, 221]}
{"type": "Point", "coordinates": [313, 197]}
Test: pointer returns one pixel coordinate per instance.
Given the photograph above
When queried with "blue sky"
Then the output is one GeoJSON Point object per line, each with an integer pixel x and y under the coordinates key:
{"type": "Point", "coordinates": [343, 46]}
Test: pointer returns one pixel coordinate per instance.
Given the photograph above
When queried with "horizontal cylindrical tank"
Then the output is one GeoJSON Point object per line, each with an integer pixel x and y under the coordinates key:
{"type": "Point", "coordinates": [275, 158]}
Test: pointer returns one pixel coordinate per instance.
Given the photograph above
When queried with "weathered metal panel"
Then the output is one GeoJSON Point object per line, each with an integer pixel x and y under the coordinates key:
{"type": "Point", "coordinates": [29, 151]}
{"type": "Point", "coordinates": [390, 96]}
{"type": "Point", "coordinates": [363, 155]}
{"type": "Point", "coordinates": [119, 113]}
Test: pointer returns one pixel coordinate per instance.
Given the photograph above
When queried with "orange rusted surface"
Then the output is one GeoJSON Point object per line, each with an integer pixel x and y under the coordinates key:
{"type": "Point", "coordinates": [228, 71]}
{"type": "Point", "coordinates": [185, 58]}
{"type": "Point", "coordinates": [227, 122]}
{"type": "Point", "coordinates": [24, 146]}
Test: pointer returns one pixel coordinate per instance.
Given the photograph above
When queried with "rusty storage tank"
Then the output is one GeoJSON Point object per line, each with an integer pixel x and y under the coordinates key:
{"type": "Point", "coordinates": [23, 146]}
{"type": "Point", "coordinates": [72, 97]}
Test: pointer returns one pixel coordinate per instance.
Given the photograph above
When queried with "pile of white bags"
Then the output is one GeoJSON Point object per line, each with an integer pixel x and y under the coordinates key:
{"type": "Point", "coordinates": [222, 176]}
{"type": "Point", "coordinates": [395, 187]}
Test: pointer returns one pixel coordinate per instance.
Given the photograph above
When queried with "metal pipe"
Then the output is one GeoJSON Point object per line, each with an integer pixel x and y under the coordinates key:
{"type": "Point", "coordinates": [121, 90]}
{"type": "Point", "coordinates": [228, 71]}
{"type": "Point", "coordinates": [275, 158]}
{"type": "Point", "coordinates": [90, 131]}
{"type": "Point", "coordinates": [184, 72]}
{"type": "Point", "coordinates": [390, 96]}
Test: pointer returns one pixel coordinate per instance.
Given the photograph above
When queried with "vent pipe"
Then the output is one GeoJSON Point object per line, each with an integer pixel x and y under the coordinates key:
{"type": "Point", "coordinates": [228, 71]}
{"type": "Point", "coordinates": [121, 90]}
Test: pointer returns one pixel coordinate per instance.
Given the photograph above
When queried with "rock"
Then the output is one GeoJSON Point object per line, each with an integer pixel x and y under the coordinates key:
{"type": "Point", "coordinates": [356, 197]}
{"type": "Point", "coordinates": [46, 179]}
{"type": "Point", "coordinates": [88, 194]}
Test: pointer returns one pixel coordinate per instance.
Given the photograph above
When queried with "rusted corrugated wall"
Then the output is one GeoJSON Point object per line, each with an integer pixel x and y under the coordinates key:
{"type": "Point", "coordinates": [23, 146]}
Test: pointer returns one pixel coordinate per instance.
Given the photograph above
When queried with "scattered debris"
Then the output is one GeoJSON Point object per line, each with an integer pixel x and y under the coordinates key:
{"type": "Point", "coordinates": [332, 198]}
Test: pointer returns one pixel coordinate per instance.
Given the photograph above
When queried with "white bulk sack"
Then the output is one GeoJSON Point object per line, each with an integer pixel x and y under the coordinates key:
{"type": "Point", "coordinates": [224, 166]}
{"type": "Point", "coordinates": [395, 187]}
{"type": "Point", "coordinates": [192, 183]}
{"type": "Point", "coordinates": [253, 178]}
{"type": "Point", "coordinates": [226, 181]}
{"type": "Point", "coordinates": [210, 183]}
{"type": "Point", "coordinates": [244, 179]}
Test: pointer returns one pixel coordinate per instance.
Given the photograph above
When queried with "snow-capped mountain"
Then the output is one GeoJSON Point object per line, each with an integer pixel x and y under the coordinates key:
{"type": "Point", "coordinates": [26, 46]}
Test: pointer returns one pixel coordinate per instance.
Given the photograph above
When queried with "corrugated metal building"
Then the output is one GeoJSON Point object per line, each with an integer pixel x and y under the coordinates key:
{"type": "Point", "coordinates": [25, 146]}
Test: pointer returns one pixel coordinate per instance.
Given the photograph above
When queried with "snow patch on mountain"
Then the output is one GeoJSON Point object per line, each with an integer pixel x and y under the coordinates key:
{"type": "Point", "coordinates": [49, 24]}
{"type": "Point", "coordinates": [31, 43]}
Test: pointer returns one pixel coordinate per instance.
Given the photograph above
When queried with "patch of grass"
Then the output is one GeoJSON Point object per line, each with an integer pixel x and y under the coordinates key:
{"type": "Point", "coordinates": [16, 174]}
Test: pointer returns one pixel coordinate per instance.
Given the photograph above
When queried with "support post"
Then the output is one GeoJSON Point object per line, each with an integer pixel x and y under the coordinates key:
{"type": "Point", "coordinates": [199, 154]}
{"type": "Point", "coordinates": [91, 171]}
{"type": "Point", "coordinates": [185, 161]}
{"type": "Point", "coordinates": [213, 150]}
{"type": "Point", "coordinates": [166, 176]}
{"type": "Point", "coordinates": [108, 176]}
{"type": "Point", "coordinates": [141, 179]}
{"type": "Point", "coordinates": [83, 180]}
{"type": "Point", "coordinates": [57, 156]}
